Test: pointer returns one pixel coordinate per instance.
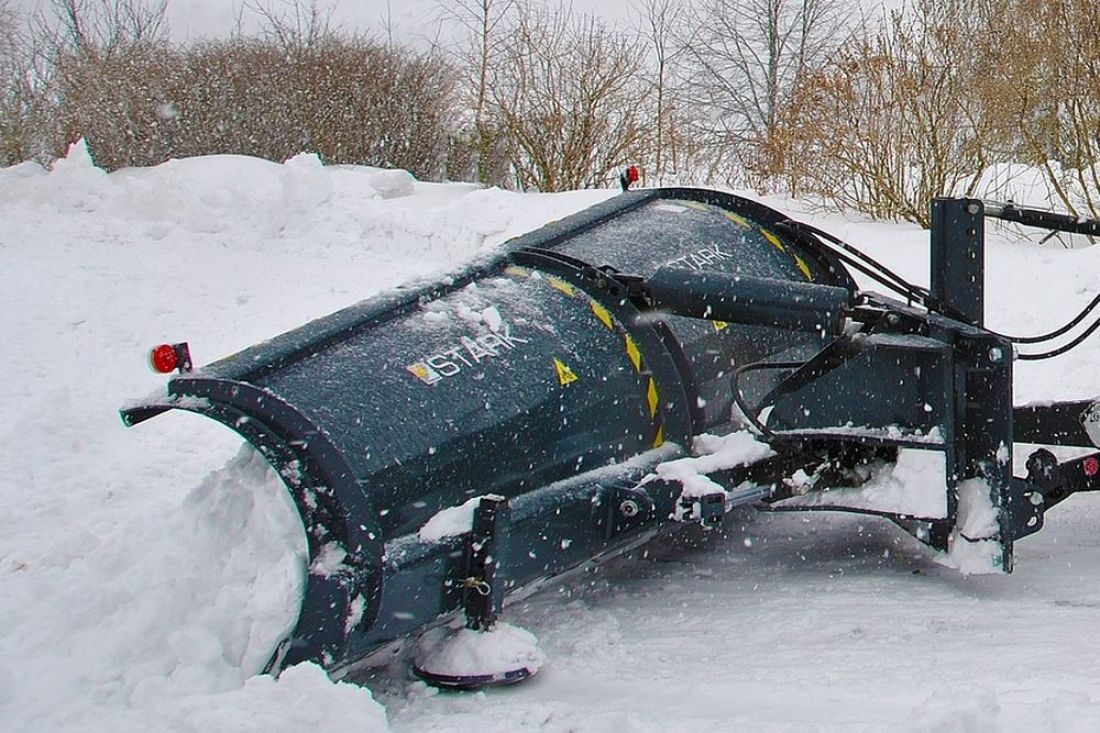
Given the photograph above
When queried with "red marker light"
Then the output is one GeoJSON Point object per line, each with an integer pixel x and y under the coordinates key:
{"type": "Point", "coordinates": [1091, 466]}
{"type": "Point", "coordinates": [163, 359]}
{"type": "Point", "coordinates": [629, 177]}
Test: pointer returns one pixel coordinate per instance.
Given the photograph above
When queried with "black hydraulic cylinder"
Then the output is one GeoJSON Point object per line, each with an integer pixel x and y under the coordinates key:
{"type": "Point", "coordinates": [759, 301]}
{"type": "Point", "coordinates": [1042, 219]}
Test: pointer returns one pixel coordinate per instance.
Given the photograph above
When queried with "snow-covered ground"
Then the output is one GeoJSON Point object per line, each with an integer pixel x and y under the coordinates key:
{"type": "Point", "coordinates": [144, 574]}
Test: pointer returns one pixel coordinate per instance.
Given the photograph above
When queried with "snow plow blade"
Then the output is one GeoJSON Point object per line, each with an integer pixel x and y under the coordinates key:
{"type": "Point", "coordinates": [449, 445]}
{"type": "Point", "coordinates": [516, 377]}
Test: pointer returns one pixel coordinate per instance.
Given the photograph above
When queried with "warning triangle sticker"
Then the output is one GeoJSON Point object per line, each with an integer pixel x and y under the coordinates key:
{"type": "Point", "coordinates": [565, 374]}
{"type": "Point", "coordinates": [424, 373]}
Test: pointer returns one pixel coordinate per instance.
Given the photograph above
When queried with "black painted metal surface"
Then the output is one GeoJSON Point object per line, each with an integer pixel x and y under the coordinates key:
{"type": "Point", "coordinates": [513, 378]}
{"type": "Point", "coordinates": [554, 377]}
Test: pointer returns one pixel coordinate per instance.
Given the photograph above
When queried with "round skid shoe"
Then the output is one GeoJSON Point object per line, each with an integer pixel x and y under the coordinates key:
{"type": "Point", "coordinates": [472, 682]}
{"type": "Point", "coordinates": [466, 659]}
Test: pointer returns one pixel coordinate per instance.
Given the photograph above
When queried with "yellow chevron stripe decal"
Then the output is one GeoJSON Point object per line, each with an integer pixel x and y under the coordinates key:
{"type": "Point", "coordinates": [560, 285]}
{"type": "Point", "coordinates": [654, 400]}
{"type": "Point", "coordinates": [738, 219]}
{"type": "Point", "coordinates": [633, 353]}
{"type": "Point", "coordinates": [659, 440]}
{"type": "Point", "coordinates": [603, 314]}
{"type": "Point", "coordinates": [804, 267]}
{"type": "Point", "coordinates": [773, 239]}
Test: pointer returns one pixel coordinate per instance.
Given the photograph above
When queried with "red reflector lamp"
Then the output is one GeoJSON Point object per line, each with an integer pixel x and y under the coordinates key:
{"type": "Point", "coordinates": [1092, 466]}
{"type": "Point", "coordinates": [167, 358]}
{"type": "Point", "coordinates": [629, 177]}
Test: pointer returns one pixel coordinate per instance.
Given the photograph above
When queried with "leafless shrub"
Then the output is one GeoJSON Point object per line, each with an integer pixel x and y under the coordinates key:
{"type": "Point", "coordinates": [9, 41]}
{"type": "Point", "coordinates": [893, 120]}
{"type": "Point", "coordinates": [24, 92]}
{"type": "Point", "coordinates": [1042, 90]}
{"type": "Point", "coordinates": [300, 86]}
{"type": "Point", "coordinates": [347, 99]}
{"type": "Point", "coordinates": [120, 103]}
{"type": "Point", "coordinates": [109, 65]}
{"type": "Point", "coordinates": [305, 85]}
{"type": "Point", "coordinates": [567, 95]}
{"type": "Point", "coordinates": [12, 135]}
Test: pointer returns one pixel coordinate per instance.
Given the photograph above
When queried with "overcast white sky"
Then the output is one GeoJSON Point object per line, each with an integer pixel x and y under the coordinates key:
{"type": "Point", "coordinates": [409, 19]}
{"type": "Point", "coordinates": [189, 19]}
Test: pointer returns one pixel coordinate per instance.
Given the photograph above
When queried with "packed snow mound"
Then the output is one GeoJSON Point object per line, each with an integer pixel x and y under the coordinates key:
{"type": "Point", "coordinates": [258, 203]}
{"type": "Point", "coordinates": [183, 601]}
{"type": "Point", "coordinates": [134, 593]}
{"type": "Point", "coordinates": [302, 698]}
{"type": "Point", "coordinates": [466, 653]}
{"type": "Point", "coordinates": [451, 521]}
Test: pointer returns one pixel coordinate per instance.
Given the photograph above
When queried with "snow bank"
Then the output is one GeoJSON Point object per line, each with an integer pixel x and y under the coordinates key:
{"type": "Point", "coordinates": [182, 602]}
{"type": "Point", "coordinates": [302, 698]}
{"type": "Point", "coordinates": [134, 594]}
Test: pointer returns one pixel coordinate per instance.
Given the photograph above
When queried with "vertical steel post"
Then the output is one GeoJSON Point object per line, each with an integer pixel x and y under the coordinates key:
{"type": "Point", "coordinates": [983, 372]}
{"type": "Point", "coordinates": [984, 437]}
{"type": "Point", "coordinates": [483, 596]}
{"type": "Point", "coordinates": [958, 258]}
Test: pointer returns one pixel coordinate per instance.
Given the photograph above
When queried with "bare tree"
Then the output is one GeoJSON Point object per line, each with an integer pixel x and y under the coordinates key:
{"type": "Point", "coordinates": [296, 26]}
{"type": "Point", "coordinates": [98, 28]}
{"type": "Point", "coordinates": [659, 21]}
{"type": "Point", "coordinates": [894, 120]}
{"type": "Point", "coordinates": [567, 93]}
{"type": "Point", "coordinates": [744, 59]}
{"type": "Point", "coordinates": [9, 30]}
{"type": "Point", "coordinates": [484, 24]}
